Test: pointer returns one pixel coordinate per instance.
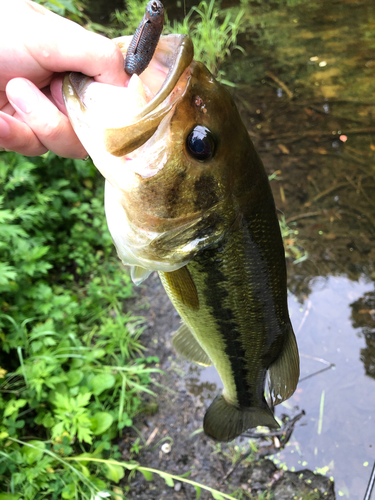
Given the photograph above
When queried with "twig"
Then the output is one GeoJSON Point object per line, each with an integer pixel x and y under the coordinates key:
{"type": "Point", "coordinates": [307, 312]}
{"type": "Point", "coordinates": [283, 436]}
{"type": "Point", "coordinates": [279, 82]}
{"type": "Point", "coordinates": [329, 190]}
{"type": "Point", "coordinates": [304, 216]}
{"type": "Point", "coordinates": [370, 485]}
{"type": "Point", "coordinates": [332, 365]}
{"type": "Point", "coordinates": [152, 436]}
{"type": "Point", "coordinates": [320, 360]}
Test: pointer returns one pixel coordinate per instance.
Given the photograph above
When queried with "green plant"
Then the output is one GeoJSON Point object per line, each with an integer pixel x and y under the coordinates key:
{"type": "Point", "coordinates": [72, 9]}
{"type": "Point", "coordinates": [70, 378]}
{"type": "Point", "coordinates": [213, 30]}
{"type": "Point", "coordinates": [293, 250]}
{"type": "Point", "coordinates": [127, 21]}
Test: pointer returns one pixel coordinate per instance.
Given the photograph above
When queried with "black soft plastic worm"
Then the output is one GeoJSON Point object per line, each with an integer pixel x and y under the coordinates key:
{"type": "Point", "coordinates": [145, 39]}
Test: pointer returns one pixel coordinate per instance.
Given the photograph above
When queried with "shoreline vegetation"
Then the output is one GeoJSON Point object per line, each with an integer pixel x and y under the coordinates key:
{"type": "Point", "coordinates": [72, 369]}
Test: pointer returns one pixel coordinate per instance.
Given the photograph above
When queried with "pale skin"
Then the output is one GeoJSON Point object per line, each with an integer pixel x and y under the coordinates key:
{"type": "Point", "coordinates": [36, 48]}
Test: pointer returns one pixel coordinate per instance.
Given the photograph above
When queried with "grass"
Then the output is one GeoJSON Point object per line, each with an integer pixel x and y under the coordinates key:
{"type": "Point", "coordinates": [214, 30]}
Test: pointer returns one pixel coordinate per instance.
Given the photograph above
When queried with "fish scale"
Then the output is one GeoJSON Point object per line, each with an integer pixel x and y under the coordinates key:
{"type": "Point", "coordinates": [193, 202]}
{"type": "Point", "coordinates": [242, 319]}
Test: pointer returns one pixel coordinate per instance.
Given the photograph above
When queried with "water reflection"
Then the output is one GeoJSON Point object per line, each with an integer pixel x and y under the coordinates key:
{"type": "Point", "coordinates": [363, 316]}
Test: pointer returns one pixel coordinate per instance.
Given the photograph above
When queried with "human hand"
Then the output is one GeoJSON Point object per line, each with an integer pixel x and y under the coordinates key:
{"type": "Point", "coordinates": [36, 48]}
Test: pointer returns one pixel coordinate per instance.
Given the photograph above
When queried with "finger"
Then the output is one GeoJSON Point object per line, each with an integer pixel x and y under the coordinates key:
{"type": "Point", "coordinates": [73, 48]}
{"type": "Point", "coordinates": [57, 95]}
{"type": "Point", "coordinates": [51, 127]}
{"type": "Point", "coordinates": [17, 136]}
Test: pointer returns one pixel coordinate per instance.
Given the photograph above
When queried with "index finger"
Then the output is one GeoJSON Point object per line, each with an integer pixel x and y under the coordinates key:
{"type": "Point", "coordinates": [58, 44]}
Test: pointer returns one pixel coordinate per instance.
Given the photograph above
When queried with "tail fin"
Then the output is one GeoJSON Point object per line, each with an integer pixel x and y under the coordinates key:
{"type": "Point", "coordinates": [224, 422]}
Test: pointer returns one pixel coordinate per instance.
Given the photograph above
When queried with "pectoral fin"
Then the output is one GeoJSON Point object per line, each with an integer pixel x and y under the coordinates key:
{"type": "Point", "coordinates": [224, 422]}
{"type": "Point", "coordinates": [180, 284]}
{"type": "Point", "coordinates": [187, 346]}
{"type": "Point", "coordinates": [284, 372]}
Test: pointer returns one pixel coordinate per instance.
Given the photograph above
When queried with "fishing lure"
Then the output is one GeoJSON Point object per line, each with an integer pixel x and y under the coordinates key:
{"type": "Point", "coordinates": [145, 39]}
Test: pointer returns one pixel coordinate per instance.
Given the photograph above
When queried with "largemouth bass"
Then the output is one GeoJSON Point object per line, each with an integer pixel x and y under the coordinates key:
{"type": "Point", "coordinates": [187, 195]}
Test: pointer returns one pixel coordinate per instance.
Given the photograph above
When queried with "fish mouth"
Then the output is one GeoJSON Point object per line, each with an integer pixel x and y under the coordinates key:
{"type": "Point", "coordinates": [93, 108]}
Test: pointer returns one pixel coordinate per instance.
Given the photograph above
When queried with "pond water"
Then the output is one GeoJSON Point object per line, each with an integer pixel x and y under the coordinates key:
{"type": "Point", "coordinates": [305, 88]}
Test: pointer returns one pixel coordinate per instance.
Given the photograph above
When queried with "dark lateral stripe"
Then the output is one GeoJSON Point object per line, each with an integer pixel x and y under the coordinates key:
{"type": "Point", "coordinates": [215, 292]}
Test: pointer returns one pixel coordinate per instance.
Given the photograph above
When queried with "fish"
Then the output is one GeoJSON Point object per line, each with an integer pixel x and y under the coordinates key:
{"type": "Point", "coordinates": [187, 195]}
{"type": "Point", "coordinates": [145, 39]}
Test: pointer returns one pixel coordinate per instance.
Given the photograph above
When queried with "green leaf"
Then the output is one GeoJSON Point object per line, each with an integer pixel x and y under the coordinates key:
{"type": "Point", "coordinates": [13, 406]}
{"type": "Point", "coordinates": [147, 474]}
{"type": "Point", "coordinates": [69, 491]}
{"type": "Point", "coordinates": [85, 470]}
{"type": "Point", "coordinates": [114, 472]}
{"type": "Point", "coordinates": [7, 273]}
{"type": "Point", "coordinates": [84, 434]}
{"type": "Point", "coordinates": [102, 382]}
{"type": "Point", "coordinates": [216, 495]}
{"type": "Point", "coordinates": [101, 422]}
{"type": "Point", "coordinates": [199, 491]}
{"type": "Point", "coordinates": [74, 377]}
{"type": "Point", "coordinates": [168, 480]}
{"type": "Point", "coordinates": [34, 454]}
{"type": "Point", "coordinates": [9, 496]}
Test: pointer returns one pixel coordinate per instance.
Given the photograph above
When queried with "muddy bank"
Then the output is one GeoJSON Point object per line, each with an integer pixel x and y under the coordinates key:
{"type": "Point", "coordinates": [172, 434]}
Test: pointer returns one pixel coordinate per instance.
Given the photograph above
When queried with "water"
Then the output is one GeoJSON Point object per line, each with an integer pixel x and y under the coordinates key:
{"type": "Point", "coordinates": [306, 90]}
{"type": "Point", "coordinates": [338, 440]}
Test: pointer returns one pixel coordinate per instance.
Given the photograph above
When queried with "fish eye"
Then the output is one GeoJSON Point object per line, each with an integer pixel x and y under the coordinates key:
{"type": "Point", "coordinates": [155, 6]}
{"type": "Point", "coordinates": [200, 143]}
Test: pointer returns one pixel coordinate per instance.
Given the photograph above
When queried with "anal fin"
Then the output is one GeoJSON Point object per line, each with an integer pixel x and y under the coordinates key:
{"type": "Point", "coordinates": [284, 371]}
{"type": "Point", "coordinates": [186, 344]}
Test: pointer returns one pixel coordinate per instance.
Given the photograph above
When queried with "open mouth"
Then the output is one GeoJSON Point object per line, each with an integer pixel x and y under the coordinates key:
{"type": "Point", "coordinates": [124, 118]}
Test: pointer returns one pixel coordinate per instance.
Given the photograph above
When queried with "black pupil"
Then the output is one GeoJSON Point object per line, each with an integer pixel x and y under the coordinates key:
{"type": "Point", "coordinates": [200, 143]}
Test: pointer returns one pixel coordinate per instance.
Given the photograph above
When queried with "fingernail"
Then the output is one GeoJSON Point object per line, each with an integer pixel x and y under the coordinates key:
{"type": "Point", "coordinates": [4, 128]}
{"type": "Point", "coordinates": [22, 96]}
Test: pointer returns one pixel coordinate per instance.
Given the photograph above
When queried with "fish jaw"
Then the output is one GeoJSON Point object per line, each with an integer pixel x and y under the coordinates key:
{"type": "Point", "coordinates": [173, 204]}
{"type": "Point", "coordinates": [114, 121]}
